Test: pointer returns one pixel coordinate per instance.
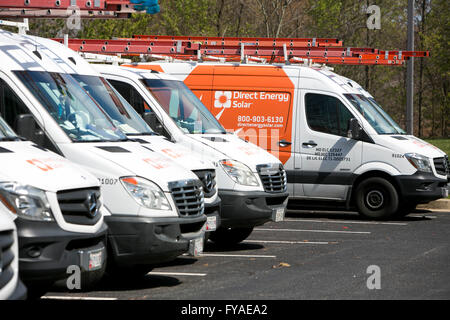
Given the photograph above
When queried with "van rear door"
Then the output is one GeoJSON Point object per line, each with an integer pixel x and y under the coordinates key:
{"type": "Point", "coordinates": [328, 157]}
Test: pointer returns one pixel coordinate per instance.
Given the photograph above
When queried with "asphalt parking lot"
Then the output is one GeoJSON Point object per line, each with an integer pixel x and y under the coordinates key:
{"type": "Point", "coordinates": [310, 255]}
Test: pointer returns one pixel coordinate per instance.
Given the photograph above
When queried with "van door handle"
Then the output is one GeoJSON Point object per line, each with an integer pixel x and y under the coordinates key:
{"type": "Point", "coordinates": [284, 143]}
{"type": "Point", "coordinates": [309, 144]}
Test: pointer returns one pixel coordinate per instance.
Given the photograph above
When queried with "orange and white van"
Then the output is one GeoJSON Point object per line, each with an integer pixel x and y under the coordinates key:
{"type": "Point", "coordinates": [334, 139]}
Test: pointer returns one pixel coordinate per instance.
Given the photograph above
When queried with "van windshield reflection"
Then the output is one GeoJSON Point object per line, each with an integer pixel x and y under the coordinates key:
{"type": "Point", "coordinates": [72, 108]}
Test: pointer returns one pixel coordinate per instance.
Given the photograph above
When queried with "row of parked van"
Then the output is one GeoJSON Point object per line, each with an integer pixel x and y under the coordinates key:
{"type": "Point", "coordinates": [115, 169]}
{"type": "Point", "coordinates": [89, 184]}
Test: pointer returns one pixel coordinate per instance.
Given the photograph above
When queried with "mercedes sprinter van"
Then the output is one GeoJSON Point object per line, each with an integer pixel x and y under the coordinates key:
{"type": "Point", "coordinates": [334, 139]}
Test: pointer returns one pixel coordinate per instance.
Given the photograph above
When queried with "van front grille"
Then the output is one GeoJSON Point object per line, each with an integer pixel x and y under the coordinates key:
{"type": "Point", "coordinates": [273, 177]}
{"type": "Point", "coordinates": [208, 179]}
{"type": "Point", "coordinates": [188, 197]}
{"type": "Point", "coordinates": [442, 166]}
{"type": "Point", "coordinates": [6, 257]}
{"type": "Point", "coordinates": [80, 206]}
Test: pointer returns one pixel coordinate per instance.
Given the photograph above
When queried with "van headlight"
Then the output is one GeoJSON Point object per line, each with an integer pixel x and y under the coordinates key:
{"type": "Point", "coordinates": [239, 172]}
{"type": "Point", "coordinates": [26, 201]}
{"type": "Point", "coordinates": [420, 162]}
{"type": "Point", "coordinates": [146, 193]}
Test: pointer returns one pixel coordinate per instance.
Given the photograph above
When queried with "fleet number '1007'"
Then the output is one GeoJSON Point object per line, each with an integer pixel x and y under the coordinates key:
{"type": "Point", "coordinates": [107, 181]}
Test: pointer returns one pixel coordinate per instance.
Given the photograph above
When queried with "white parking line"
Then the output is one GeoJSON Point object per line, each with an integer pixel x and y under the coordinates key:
{"type": "Point", "coordinates": [76, 298]}
{"type": "Point", "coordinates": [347, 222]}
{"type": "Point", "coordinates": [318, 231]}
{"type": "Point", "coordinates": [177, 274]}
{"type": "Point", "coordinates": [287, 242]}
{"type": "Point", "coordinates": [235, 255]}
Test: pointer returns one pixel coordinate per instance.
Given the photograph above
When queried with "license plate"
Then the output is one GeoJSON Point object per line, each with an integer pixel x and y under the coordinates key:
{"type": "Point", "coordinates": [278, 214]}
{"type": "Point", "coordinates": [196, 247]}
{"type": "Point", "coordinates": [444, 192]}
{"type": "Point", "coordinates": [211, 223]}
{"type": "Point", "coordinates": [91, 260]}
{"type": "Point", "coordinates": [95, 260]}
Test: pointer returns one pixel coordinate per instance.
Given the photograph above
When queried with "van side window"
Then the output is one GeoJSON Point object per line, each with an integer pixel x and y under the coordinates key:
{"type": "Point", "coordinates": [131, 95]}
{"type": "Point", "coordinates": [11, 108]}
{"type": "Point", "coordinates": [327, 114]}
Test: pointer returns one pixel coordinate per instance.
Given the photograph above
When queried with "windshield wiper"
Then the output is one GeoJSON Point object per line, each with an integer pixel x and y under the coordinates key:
{"type": "Point", "coordinates": [143, 134]}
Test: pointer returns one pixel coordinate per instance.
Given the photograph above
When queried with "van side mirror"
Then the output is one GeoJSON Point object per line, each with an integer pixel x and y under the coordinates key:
{"type": "Point", "coordinates": [354, 129]}
{"type": "Point", "coordinates": [28, 128]}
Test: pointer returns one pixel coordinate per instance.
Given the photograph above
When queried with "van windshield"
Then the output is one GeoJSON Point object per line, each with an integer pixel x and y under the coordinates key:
{"type": "Point", "coordinates": [71, 107]}
{"type": "Point", "coordinates": [387, 116]}
{"type": "Point", "coordinates": [183, 106]}
{"type": "Point", "coordinates": [118, 109]}
{"type": "Point", "coordinates": [6, 133]}
{"type": "Point", "coordinates": [374, 114]}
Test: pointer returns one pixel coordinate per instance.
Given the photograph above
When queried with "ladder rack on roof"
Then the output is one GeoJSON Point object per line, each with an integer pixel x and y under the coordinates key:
{"type": "Point", "coordinates": [65, 13]}
{"type": "Point", "coordinates": [66, 8]}
{"type": "Point", "coordinates": [109, 5]}
{"type": "Point", "coordinates": [237, 41]}
{"type": "Point", "coordinates": [183, 49]}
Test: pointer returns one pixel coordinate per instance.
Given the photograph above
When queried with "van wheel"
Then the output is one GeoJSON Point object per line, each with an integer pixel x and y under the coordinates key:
{"type": "Point", "coordinates": [376, 198]}
{"type": "Point", "coordinates": [230, 236]}
{"type": "Point", "coordinates": [206, 238]}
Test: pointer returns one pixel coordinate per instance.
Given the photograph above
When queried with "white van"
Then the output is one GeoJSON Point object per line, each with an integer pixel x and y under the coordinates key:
{"type": "Point", "coordinates": [57, 206]}
{"type": "Point", "coordinates": [11, 287]}
{"type": "Point", "coordinates": [135, 128]}
{"type": "Point", "coordinates": [156, 206]}
{"type": "Point", "coordinates": [335, 140]}
{"type": "Point", "coordinates": [251, 182]}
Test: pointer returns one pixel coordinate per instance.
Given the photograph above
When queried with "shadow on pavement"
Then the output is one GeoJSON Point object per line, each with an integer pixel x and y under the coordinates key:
{"type": "Point", "coordinates": [352, 215]}
{"type": "Point", "coordinates": [212, 247]}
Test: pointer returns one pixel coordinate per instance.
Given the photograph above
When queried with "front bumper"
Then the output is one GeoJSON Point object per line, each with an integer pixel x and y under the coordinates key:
{"type": "Point", "coordinates": [248, 209]}
{"type": "Point", "coordinates": [20, 292]}
{"type": "Point", "coordinates": [144, 240]}
{"type": "Point", "coordinates": [421, 187]}
{"type": "Point", "coordinates": [46, 250]}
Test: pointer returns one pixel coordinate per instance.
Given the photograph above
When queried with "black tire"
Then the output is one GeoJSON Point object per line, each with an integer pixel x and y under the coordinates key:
{"type": "Point", "coordinates": [206, 238]}
{"type": "Point", "coordinates": [376, 198]}
{"type": "Point", "coordinates": [230, 236]}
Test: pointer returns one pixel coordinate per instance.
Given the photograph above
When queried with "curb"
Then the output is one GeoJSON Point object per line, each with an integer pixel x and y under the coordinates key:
{"type": "Point", "coordinates": [441, 204]}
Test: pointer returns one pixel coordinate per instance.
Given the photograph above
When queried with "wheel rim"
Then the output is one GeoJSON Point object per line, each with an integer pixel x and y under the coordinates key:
{"type": "Point", "coordinates": [374, 199]}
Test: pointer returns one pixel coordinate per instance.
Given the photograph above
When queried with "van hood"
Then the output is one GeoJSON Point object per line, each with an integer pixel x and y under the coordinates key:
{"type": "Point", "coordinates": [139, 161]}
{"type": "Point", "coordinates": [230, 146]}
{"type": "Point", "coordinates": [28, 164]}
{"type": "Point", "coordinates": [408, 144]}
{"type": "Point", "coordinates": [177, 153]}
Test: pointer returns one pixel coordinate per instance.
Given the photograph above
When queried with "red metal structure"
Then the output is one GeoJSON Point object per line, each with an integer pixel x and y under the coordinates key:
{"type": "Point", "coordinates": [65, 8]}
{"type": "Point", "coordinates": [237, 49]}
